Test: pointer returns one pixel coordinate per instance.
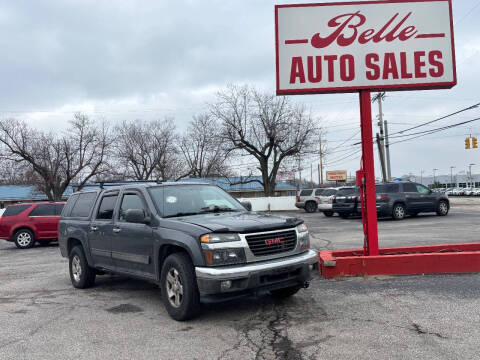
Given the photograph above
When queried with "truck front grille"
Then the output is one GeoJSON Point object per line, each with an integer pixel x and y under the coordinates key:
{"type": "Point", "coordinates": [272, 243]}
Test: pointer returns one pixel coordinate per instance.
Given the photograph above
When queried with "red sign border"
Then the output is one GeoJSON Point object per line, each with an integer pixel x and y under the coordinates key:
{"type": "Point", "coordinates": [351, 89]}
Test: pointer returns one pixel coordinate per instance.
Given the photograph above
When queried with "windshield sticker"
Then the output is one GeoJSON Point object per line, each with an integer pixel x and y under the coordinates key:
{"type": "Point", "coordinates": [171, 199]}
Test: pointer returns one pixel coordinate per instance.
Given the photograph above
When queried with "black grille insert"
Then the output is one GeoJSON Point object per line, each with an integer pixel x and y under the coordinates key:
{"type": "Point", "coordinates": [272, 243]}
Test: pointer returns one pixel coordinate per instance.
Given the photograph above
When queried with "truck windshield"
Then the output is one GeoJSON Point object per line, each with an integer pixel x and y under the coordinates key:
{"type": "Point", "coordinates": [184, 200]}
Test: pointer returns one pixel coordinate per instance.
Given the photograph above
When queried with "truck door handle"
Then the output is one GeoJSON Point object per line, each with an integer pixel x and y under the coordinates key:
{"type": "Point", "coordinates": [116, 230]}
{"type": "Point", "coordinates": [94, 228]}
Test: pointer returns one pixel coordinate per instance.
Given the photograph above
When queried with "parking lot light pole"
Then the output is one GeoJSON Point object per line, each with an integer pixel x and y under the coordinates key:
{"type": "Point", "coordinates": [421, 176]}
{"type": "Point", "coordinates": [470, 172]}
{"type": "Point", "coordinates": [451, 176]}
{"type": "Point", "coordinates": [434, 179]}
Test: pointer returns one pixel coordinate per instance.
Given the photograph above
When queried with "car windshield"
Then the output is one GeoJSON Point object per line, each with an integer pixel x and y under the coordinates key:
{"type": "Point", "coordinates": [184, 200]}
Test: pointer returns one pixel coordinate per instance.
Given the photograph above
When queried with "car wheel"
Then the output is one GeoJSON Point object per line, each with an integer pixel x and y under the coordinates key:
{"type": "Point", "coordinates": [24, 239]}
{"type": "Point", "coordinates": [311, 207]}
{"type": "Point", "coordinates": [81, 274]}
{"type": "Point", "coordinates": [285, 293]}
{"type": "Point", "coordinates": [398, 212]}
{"type": "Point", "coordinates": [179, 287]}
{"type": "Point", "coordinates": [442, 209]}
{"type": "Point", "coordinates": [44, 242]}
{"type": "Point", "coordinates": [328, 213]}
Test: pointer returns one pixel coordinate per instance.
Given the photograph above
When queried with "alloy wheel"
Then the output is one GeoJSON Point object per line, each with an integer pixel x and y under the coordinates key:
{"type": "Point", "coordinates": [443, 208]}
{"type": "Point", "coordinates": [76, 268]}
{"type": "Point", "coordinates": [174, 288]}
{"type": "Point", "coordinates": [399, 212]}
{"type": "Point", "coordinates": [24, 239]}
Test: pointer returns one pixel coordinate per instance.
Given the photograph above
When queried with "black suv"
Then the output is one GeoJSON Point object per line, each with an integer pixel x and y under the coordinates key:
{"type": "Point", "coordinates": [346, 202]}
{"type": "Point", "coordinates": [194, 240]}
{"type": "Point", "coordinates": [396, 199]}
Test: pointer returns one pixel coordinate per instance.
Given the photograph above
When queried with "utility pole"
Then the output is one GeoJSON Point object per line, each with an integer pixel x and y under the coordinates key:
{"type": "Point", "coordinates": [381, 138]}
{"type": "Point", "coordinates": [451, 176]}
{"type": "Point", "coordinates": [387, 151]}
{"type": "Point", "coordinates": [319, 180]}
{"type": "Point", "coordinates": [311, 174]}
{"type": "Point", "coordinates": [300, 174]}
{"type": "Point", "coordinates": [321, 161]}
{"type": "Point", "coordinates": [421, 176]}
{"type": "Point", "coordinates": [382, 157]}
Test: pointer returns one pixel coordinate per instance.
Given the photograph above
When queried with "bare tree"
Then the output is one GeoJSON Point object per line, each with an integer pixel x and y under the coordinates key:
{"type": "Point", "coordinates": [147, 149]}
{"type": "Point", "coordinates": [56, 161]}
{"type": "Point", "coordinates": [265, 126]}
{"type": "Point", "coordinates": [203, 148]}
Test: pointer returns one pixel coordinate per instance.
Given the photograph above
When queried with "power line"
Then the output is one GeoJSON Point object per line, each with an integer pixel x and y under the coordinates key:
{"type": "Point", "coordinates": [438, 119]}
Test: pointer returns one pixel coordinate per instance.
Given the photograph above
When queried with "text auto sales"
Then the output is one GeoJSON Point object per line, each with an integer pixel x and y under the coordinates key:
{"type": "Point", "coordinates": [389, 65]}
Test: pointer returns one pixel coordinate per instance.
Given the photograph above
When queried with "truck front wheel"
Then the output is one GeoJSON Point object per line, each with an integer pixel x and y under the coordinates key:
{"type": "Point", "coordinates": [179, 287]}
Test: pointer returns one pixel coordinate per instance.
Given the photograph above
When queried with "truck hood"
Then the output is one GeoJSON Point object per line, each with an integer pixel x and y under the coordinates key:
{"type": "Point", "coordinates": [243, 222]}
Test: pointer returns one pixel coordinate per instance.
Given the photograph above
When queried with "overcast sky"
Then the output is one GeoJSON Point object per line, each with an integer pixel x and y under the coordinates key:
{"type": "Point", "coordinates": [151, 59]}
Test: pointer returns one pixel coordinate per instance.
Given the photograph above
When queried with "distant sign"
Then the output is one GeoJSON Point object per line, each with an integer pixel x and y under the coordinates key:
{"type": "Point", "coordinates": [337, 175]}
{"type": "Point", "coordinates": [285, 176]}
{"type": "Point", "coordinates": [375, 45]}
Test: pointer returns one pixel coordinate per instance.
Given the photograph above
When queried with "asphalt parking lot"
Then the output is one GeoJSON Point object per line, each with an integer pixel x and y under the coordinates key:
{"type": "Point", "coordinates": [431, 317]}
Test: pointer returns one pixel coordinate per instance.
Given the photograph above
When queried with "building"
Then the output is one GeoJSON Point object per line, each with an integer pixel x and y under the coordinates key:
{"type": "Point", "coordinates": [10, 194]}
{"type": "Point", "coordinates": [447, 181]}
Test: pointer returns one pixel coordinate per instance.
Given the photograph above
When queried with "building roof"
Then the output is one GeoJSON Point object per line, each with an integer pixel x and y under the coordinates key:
{"type": "Point", "coordinates": [24, 192]}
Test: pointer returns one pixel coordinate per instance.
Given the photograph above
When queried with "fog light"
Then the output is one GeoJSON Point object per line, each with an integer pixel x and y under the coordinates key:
{"type": "Point", "coordinates": [225, 285]}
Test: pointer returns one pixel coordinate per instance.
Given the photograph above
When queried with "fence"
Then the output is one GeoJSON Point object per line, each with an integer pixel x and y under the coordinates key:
{"type": "Point", "coordinates": [272, 203]}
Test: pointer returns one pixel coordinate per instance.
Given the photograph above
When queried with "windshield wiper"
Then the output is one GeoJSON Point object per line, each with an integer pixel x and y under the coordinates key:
{"type": "Point", "coordinates": [216, 208]}
{"type": "Point", "coordinates": [182, 214]}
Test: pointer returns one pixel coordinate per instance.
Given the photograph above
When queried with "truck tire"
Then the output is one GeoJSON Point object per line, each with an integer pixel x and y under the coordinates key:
{"type": "Point", "coordinates": [398, 212]}
{"type": "Point", "coordinates": [286, 292]}
{"type": "Point", "coordinates": [311, 206]}
{"type": "Point", "coordinates": [24, 239]}
{"type": "Point", "coordinates": [81, 274]}
{"type": "Point", "coordinates": [179, 287]}
{"type": "Point", "coordinates": [442, 209]}
{"type": "Point", "coordinates": [328, 213]}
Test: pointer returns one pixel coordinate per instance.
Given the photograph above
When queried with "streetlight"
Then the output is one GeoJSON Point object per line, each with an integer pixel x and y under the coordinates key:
{"type": "Point", "coordinates": [434, 181]}
{"type": "Point", "coordinates": [470, 171]}
{"type": "Point", "coordinates": [421, 176]}
{"type": "Point", "coordinates": [451, 175]}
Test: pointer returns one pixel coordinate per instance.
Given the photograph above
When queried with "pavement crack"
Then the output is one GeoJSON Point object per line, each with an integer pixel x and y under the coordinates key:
{"type": "Point", "coordinates": [418, 329]}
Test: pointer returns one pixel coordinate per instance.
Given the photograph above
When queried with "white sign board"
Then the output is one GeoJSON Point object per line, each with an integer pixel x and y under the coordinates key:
{"type": "Point", "coordinates": [372, 45]}
{"type": "Point", "coordinates": [337, 175]}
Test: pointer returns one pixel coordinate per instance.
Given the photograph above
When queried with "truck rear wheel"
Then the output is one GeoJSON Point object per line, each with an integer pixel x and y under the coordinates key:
{"type": "Point", "coordinates": [286, 292]}
{"type": "Point", "coordinates": [179, 287]}
{"type": "Point", "coordinates": [311, 206]}
{"type": "Point", "coordinates": [81, 274]}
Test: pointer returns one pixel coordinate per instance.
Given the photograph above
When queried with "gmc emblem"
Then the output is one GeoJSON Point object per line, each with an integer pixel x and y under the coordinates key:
{"type": "Point", "coordinates": [274, 241]}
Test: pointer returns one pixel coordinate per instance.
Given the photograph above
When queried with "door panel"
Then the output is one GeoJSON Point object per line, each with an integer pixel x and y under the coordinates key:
{"type": "Point", "coordinates": [101, 231]}
{"type": "Point", "coordinates": [132, 246]}
{"type": "Point", "coordinates": [45, 221]}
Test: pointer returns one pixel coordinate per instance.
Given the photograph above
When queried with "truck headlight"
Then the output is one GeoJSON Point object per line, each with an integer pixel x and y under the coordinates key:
{"type": "Point", "coordinates": [303, 237]}
{"type": "Point", "coordinates": [224, 256]}
{"type": "Point", "coordinates": [302, 228]}
{"type": "Point", "coordinates": [216, 238]}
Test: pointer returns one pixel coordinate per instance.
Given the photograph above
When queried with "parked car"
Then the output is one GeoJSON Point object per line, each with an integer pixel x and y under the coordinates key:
{"type": "Point", "coordinates": [307, 199]}
{"type": "Point", "coordinates": [194, 240]}
{"type": "Point", "coordinates": [468, 191]}
{"type": "Point", "coordinates": [325, 201]}
{"type": "Point", "coordinates": [398, 199]}
{"type": "Point", "coordinates": [27, 223]}
{"type": "Point", "coordinates": [347, 202]}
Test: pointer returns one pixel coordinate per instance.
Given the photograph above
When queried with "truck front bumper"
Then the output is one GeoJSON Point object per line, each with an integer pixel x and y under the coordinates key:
{"type": "Point", "coordinates": [218, 283]}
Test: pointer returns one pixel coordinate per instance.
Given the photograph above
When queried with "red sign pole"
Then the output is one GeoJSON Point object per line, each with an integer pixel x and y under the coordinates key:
{"type": "Point", "coordinates": [369, 214]}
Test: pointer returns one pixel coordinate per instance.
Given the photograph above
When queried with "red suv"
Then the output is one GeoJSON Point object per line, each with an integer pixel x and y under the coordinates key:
{"type": "Point", "coordinates": [27, 223]}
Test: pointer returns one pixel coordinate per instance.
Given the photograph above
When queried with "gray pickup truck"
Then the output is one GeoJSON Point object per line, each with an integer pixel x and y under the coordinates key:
{"type": "Point", "coordinates": [195, 241]}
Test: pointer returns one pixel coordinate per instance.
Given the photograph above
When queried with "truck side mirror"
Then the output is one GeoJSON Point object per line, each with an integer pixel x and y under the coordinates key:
{"type": "Point", "coordinates": [247, 205]}
{"type": "Point", "coordinates": [137, 216]}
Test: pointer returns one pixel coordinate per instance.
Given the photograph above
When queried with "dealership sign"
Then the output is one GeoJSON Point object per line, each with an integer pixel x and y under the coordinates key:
{"type": "Point", "coordinates": [374, 45]}
{"type": "Point", "coordinates": [337, 175]}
